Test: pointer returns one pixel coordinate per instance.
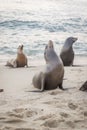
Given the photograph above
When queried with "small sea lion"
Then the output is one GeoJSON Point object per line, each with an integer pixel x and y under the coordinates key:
{"type": "Point", "coordinates": [21, 59]}
{"type": "Point", "coordinates": [67, 53]}
{"type": "Point", "coordinates": [52, 75]}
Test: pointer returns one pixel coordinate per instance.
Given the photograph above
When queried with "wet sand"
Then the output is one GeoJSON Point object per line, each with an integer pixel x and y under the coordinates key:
{"type": "Point", "coordinates": [50, 110]}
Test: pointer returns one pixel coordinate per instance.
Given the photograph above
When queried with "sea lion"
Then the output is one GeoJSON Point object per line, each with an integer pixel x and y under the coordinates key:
{"type": "Point", "coordinates": [67, 53]}
{"type": "Point", "coordinates": [52, 75]}
{"type": "Point", "coordinates": [21, 59]}
{"type": "Point", "coordinates": [84, 87]}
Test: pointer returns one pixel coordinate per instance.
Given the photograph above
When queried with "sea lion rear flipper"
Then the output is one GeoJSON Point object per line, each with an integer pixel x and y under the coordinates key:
{"type": "Point", "coordinates": [42, 83]}
{"type": "Point", "coordinates": [61, 87]}
{"type": "Point", "coordinates": [42, 78]}
{"type": "Point", "coordinates": [15, 64]}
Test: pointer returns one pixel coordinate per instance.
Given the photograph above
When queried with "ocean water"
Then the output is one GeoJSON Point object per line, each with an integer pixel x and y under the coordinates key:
{"type": "Point", "coordinates": [34, 22]}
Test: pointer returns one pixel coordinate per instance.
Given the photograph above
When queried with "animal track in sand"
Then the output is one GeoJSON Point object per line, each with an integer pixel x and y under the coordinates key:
{"type": "Point", "coordinates": [7, 128]}
{"type": "Point", "coordinates": [55, 92]}
{"type": "Point", "coordinates": [2, 118]}
{"type": "Point", "coordinates": [72, 106]}
{"type": "Point", "coordinates": [45, 117]}
{"type": "Point", "coordinates": [25, 112]}
{"type": "Point", "coordinates": [17, 116]}
{"type": "Point", "coordinates": [51, 123]}
{"type": "Point", "coordinates": [78, 120]}
{"type": "Point", "coordinates": [63, 114]}
{"type": "Point", "coordinates": [30, 113]}
{"type": "Point", "coordinates": [85, 113]}
{"type": "Point", "coordinates": [51, 102]}
{"type": "Point", "coordinates": [45, 128]}
{"type": "Point", "coordinates": [25, 129]}
{"type": "Point", "coordinates": [19, 110]}
{"type": "Point", "coordinates": [10, 118]}
{"type": "Point", "coordinates": [48, 102]}
{"type": "Point", "coordinates": [70, 124]}
{"type": "Point", "coordinates": [14, 128]}
{"type": "Point", "coordinates": [13, 114]}
{"type": "Point", "coordinates": [13, 120]}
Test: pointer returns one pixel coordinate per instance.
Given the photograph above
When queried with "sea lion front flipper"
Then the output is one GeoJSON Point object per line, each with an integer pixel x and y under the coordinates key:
{"type": "Point", "coordinates": [42, 82]}
{"type": "Point", "coordinates": [26, 62]}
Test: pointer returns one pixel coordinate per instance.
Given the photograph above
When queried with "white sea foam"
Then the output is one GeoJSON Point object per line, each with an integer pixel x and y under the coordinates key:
{"type": "Point", "coordinates": [34, 23]}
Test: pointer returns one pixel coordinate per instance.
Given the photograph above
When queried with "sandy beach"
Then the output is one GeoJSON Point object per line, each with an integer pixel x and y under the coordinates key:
{"type": "Point", "coordinates": [49, 110]}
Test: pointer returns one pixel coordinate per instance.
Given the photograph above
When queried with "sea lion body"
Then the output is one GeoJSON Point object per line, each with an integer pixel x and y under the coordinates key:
{"type": "Point", "coordinates": [51, 79]}
{"type": "Point", "coordinates": [20, 61]}
{"type": "Point", "coordinates": [67, 57]}
{"type": "Point", "coordinates": [67, 53]}
{"type": "Point", "coordinates": [52, 75]}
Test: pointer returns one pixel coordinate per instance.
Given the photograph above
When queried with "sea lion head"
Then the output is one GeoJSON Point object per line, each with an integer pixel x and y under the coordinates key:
{"type": "Point", "coordinates": [50, 44]}
{"type": "Point", "coordinates": [71, 40]}
{"type": "Point", "coordinates": [50, 54]}
{"type": "Point", "coordinates": [20, 49]}
{"type": "Point", "coordinates": [68, 43]}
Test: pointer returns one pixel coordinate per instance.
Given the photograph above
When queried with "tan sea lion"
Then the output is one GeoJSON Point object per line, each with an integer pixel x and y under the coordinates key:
{"type": "Point", "coordinates": [52, 76]}
{"type": "Point", "coordinates": [67, 53]}
{"type": "Point", "coordinates": [21, 59]}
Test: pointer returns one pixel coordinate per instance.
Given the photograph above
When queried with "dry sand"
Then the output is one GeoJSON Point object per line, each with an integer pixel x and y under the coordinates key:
{"type": "Point", "coordinates": [50, 110]}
